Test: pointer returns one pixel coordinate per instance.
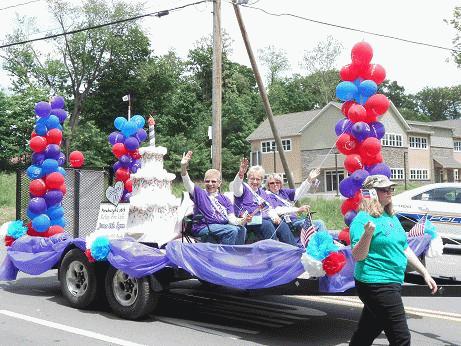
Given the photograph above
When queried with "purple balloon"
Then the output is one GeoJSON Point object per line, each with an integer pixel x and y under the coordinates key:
{"type": "Point", "coordinates": [53, 197]}
{"type": "Point", "coordinates": [344, 125]}
{"type": "Point", "coordinates": [347, 188]}
{"type": "Point", "coordinates": [125, 160]}
{"type": "Point", "coordinates": [116, 137]}
{"type": "Point", "coordinates": [60, 113]}
{"type": "Point", "coordinates": [52, 151]}
{"type": "Point", "coordinates": [57, 102]}
{"type": "Point", "coordinates": [380, 168]}
{"type": "Point", "coordinates": [349, 216]}
{"type": "Point", "coordinates": [359, 176]}
{"type": "Point", "coordinates": [131, 143]}
{"type": "Point", "coordinates": [360, 131]}
{"type": "Point", "coordinates": [37, 205]}
{"type": "Point", "coordinates": [141, 135]}
{"type": "Point", "coordinates": [126, 196]}
{"type": "Point", "coordinates": [42, 109]}
{"type": "Point", "coordinates": [61, 159]}
{"type": "Point", "coordinates": [37, 158]}
{"type": "Point", "coordinates": [116, 166]}
{"type": "Point", "coordinates": [377, 129]}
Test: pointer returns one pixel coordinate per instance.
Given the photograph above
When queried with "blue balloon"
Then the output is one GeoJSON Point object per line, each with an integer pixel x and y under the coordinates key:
{"type": "Point", "coordinates": [129, 128]}
{"type": "Point", "coordinates": [34, 172]}
{"type": "Point", "coordinates": [368, 88]}
{"type": "Point", "coordinates": [55, 211]}
{"type": "Point", "coordinates": [346, 91]}
{"type": "Point", "coordinates": [59, 222]}
{"type": "Point", "coordinates": [41, 223]}
{"type": "Point", "coordinates": [49, 166]}
{"type": "Point", "coordinates": [30, 214]}
{"type": "Point", "coordinates": [52, 122]}
{"type": "Point", "coordinates": [138, 120]}
{"type": "Point", "coordinates": [62, 171]}
{"type": "Point", "coordinates": [40, 129]}
{"type": "Point", "coordinates": [119, 122]}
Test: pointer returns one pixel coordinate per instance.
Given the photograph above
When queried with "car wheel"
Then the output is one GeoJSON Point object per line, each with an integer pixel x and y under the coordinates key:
{"type": "Point", "coordinates": [129, 297]}
{"type": "Point", "coordinates": [78, 279]}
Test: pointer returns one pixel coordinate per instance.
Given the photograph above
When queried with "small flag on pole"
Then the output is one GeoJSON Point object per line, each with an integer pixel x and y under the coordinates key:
{"type": "Point", "coordinates": [126, 98]}
{"type": "Point", "coordinates": [307, 231]}
{"type": "Point", "coordinates": [418, 229]}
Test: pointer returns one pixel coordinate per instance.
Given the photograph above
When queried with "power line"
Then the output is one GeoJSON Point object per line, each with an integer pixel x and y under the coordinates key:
{"type": "Point", "coordinates": [351, 29]}
{"type": "Point", "coordinates": [157, 14]}
{"type": "Point", "coordinates": [17, 5]}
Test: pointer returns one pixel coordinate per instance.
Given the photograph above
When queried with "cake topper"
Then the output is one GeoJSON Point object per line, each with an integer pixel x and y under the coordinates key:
{"type": "Point", "coordinates": [151, 123]}
{"type": "Point", "coordinates": [114, 193]}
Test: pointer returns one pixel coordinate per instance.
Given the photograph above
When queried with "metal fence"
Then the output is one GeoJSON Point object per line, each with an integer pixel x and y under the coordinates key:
{"type": "Point", "coordinates": [85, 191]}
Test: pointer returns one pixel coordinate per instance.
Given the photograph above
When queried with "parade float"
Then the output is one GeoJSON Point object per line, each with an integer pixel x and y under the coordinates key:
{"type": "Point", "coordinates": [138, 246]}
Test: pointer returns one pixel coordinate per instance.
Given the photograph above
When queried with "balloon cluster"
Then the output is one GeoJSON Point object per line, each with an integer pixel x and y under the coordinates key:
{"type": "Point", "coordinates": [47, 186]}
{"type": "Point", "coordinates": [125, 143]}
{"type": "Point", "coordinates": [359, 132]}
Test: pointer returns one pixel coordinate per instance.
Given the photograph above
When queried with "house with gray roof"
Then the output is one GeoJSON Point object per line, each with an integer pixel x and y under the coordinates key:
{"type": "Point", "coordinates": [415, 151]}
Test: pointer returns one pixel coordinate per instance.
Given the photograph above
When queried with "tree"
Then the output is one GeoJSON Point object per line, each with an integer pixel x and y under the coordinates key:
{"type": "Point", "coordinates": [405, 103]}
{"type": "Point", "coordinates": [276, 62]}
{"type": "Point", "coordinates": [440, 103]}
{"type": "Point", "coordinates": [80, 59]}
{"type": "Point", "coordinates": [456, 23]}
{"type": "Point", "coordinates": [319, 62]}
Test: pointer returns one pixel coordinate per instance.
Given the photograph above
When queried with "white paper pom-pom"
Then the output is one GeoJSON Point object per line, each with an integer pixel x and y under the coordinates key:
{"type": "Point", "coordinates": [312, 266]}
{"type": "Point", "coordinates": [436, 247]}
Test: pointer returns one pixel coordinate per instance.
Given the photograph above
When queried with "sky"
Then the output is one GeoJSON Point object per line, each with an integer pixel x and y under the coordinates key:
{"type": "Point", "coordinates": [412, 66]}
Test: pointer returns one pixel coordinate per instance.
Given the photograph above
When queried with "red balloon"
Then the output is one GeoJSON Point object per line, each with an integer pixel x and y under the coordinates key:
{"type": "Point", "coordinates": [76, 159]}
{"type": "Point", "coordinates": [348, 73]}
{"type": "Point", "coordinates": [33, 134]}
{"type": "Point", "coordinates": [62, 188]}
{"type": "Point", "coordinates": [353, 162]}
{"type": "Point", "coordinates": [135, 154]}
{"type": "Point", "coordinates": [53, 230]}
{"type": "Point", "coordinates": [377, 104]}
{"type": "Point", "coordinates": [370, 147]}
{"type": "Point", "coordinates": [119, 150]}
{"type": "Point", "coordinates": [333, 263]}
{"type": "Point", "coordinates": [129, 185]}
{"type": "Point", "coordinates": [345, 236]}
{"type": "Point", "coordinates": [376, 73]}
{"type": "Point", "coordinates": [122, 174]}
{"type": "Point", "coordinates": [346, 106]}
{"type": "Point", "coordinates": [347, 144]}
{"type": "Point", "coordinates": [54, 136]}
{"type": "Point", "coordinates": [37, 187]}
{"type": "Point", "coordinates": [38, 144]}
{"type": "Point", "coordinates": [361, 53]}
{"type": "Point", "coordinates": [31, 231]}
{"type": "Point", "coordinates": [357, 113]}
{"type": "Point", "coordinates": [348, 205]}
{"type": "Point", "coordinates": [54, 180]}
{"type": "Point", "coordinates": [369, 161]}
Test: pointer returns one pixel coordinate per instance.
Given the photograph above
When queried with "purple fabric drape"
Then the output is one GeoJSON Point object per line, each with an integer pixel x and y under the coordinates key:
{"type": "Point", "coordinates": [266, 263]}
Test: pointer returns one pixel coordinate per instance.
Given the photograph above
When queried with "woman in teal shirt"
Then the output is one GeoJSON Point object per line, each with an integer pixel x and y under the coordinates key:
{"type": "Point", "coordinates": [379, 245]}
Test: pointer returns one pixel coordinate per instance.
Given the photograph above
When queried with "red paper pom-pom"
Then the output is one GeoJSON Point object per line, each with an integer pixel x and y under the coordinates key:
{"type": "Point", "coordinates": [344, 236]}
{"type": "Point", "coordinates": [88, 255]}
{"type": "Point", "coordinates": [333, 263]}
{"type": "Point", "coordinates": [9, 240]}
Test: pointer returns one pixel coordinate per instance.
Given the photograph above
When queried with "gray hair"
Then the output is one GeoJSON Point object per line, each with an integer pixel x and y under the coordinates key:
{"type": "Point", "coordinates": [275, 176]}
{"type": "Point", "coordinates": [259, 170]}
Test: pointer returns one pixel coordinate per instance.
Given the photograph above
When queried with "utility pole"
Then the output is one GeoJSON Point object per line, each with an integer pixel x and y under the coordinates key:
{"type": "Point", "coordinates": [263, 94]}
{"type": "Point", "coordinates": [217, 87]}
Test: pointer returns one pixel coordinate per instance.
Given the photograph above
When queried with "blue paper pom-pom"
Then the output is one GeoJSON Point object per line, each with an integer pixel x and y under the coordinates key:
{"type": "Point", "coordinates": [16, 229]}
{"type": "Point", "coordinates": [100, 248]}
{"type": "Point", "coordinates": [430, 229]}
{"type": "Point", "coordinates": [321, 245]}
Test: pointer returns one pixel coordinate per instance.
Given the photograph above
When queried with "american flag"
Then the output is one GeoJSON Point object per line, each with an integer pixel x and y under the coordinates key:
{"type": "Point", "coordinates": [307, 231]}
{"type": "Point", "coordinates": [418, 229]}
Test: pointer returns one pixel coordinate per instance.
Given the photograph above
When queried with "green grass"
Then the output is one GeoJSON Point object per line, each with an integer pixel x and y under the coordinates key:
{"type": "Point", "coordinates": [7, 197]}
{"type": "Point", "coordinates": [328, 210]}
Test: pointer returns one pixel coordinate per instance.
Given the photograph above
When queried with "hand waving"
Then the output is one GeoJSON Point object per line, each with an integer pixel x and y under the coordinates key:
{"type": "Point", "coordinates": [244, 164]}
{"type": "Point", "coordinates": [186, 158]}
{"type": "Point", "coordinates": [313, 174]}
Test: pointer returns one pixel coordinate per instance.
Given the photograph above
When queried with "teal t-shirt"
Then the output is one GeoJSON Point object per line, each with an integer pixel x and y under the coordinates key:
{"type": "Point", "coordinates": [386, 262]}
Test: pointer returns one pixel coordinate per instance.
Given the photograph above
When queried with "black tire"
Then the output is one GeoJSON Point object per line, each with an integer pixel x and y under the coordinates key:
{"type": "Point", "coordinates": [79, 284]}
{"type": "Point", "coordinates": [128, 297]}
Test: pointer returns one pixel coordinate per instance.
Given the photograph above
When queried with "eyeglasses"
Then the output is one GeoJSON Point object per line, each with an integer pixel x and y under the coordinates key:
{"type": "Point", "coordinates": [386, 190]}
{"type": "Point", "coordinates": [208, 181]}
{"type": "Point", "coordinates": [275, 183]}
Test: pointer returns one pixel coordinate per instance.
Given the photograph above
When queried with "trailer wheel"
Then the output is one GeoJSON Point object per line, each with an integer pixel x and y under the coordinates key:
{"type": "Point", "coordinates": [77, 276]}
{"type": "Point", "coordinates": [129, 297]}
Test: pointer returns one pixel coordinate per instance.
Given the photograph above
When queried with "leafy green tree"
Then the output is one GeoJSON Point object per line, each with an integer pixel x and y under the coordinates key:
{"type": "Point", "coordinates": [276, 62]}
{"type": "Point", "coordinates": [405, 103]}
{"type": "Point", "coordinates": [456, 23]}
{"type": "Point", "coordinates": [440, 103]}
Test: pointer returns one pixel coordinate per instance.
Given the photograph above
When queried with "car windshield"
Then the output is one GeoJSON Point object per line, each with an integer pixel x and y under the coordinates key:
{"type": "Point", "coordinates": [443, 194]}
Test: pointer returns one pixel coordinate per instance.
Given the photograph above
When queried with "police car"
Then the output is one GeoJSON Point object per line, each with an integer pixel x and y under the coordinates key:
{"type": "Point", "coordinates": [442, 204]}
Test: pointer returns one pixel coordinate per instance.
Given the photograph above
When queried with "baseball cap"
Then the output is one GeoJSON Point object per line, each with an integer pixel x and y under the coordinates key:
{"type": "Point", "coordinates": [377, 181]}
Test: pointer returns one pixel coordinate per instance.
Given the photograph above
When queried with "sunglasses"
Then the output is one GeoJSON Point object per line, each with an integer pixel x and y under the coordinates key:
{"type": "Point", "coordinates": [275, 183]}
{"type": "Point", "coordinates": [207, 181]}
{"type": "Point", "coordinates": [386, 190]}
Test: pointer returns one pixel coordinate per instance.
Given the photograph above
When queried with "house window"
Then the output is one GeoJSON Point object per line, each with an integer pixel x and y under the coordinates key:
{"type": "Point", "coordinates": [255, 158]}
{"type": "Point", "coordinates": [270, 146]}
{"type": "Point", "coordinates": [397, 174]}
{"type": "Point", "coordinates": [392, 140]}
{"type": "Point", "coordinates": [418, 142]}
{"type": "Point", "coordinates": [456, 175]}
{"type": "Point", "coordinates": [457, 146]}
{"type": "Point", "coordinates": [331, 184]}
{"type": "Point", "coordinates": [419, 174]}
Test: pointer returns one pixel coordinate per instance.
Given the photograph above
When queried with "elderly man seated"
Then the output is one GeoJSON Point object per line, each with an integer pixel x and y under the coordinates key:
{"type": "Point", "coordinates": [283, 199]}
{"type": "Point", "coordinates": [219, 220]}
{"type": "Point", "coordinates": [251, 199]}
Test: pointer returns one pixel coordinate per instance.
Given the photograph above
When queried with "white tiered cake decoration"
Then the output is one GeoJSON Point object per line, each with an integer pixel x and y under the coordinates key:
{"type": "Point", "coordinates": [153, 208]}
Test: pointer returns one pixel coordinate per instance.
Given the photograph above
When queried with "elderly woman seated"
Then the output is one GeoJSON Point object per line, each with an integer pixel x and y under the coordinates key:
{"type": "Point", "coordinates": [283, 199]}
{"type": "Point", "coordinates": [250, 199]}
{"type": "Point", "coordinates": [219, 220]}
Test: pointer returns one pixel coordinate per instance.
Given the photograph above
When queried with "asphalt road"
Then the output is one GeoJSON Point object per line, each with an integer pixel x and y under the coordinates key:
{"type": "Point", "coordinates": [33, 312]}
